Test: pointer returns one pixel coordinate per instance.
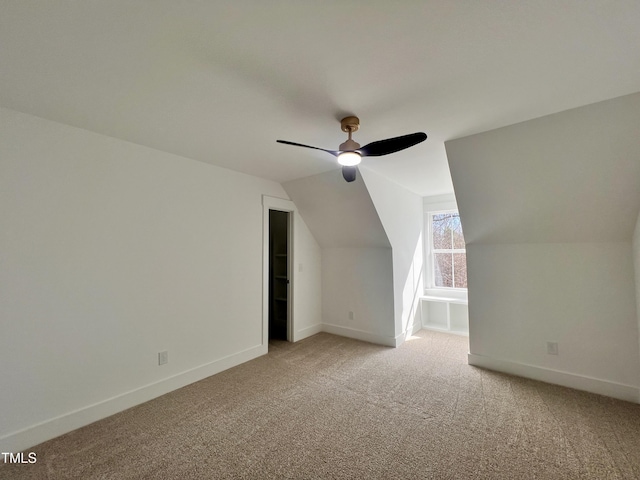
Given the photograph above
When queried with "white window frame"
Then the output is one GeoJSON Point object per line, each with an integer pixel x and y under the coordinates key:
{"type": "Point", "coordinates": [431, 287]}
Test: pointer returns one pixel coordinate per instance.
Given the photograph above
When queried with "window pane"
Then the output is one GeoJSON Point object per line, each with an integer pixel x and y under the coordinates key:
{"type": "Point", "coordinates": [460, 263]}
{"type": "Point", "coordinates": [441, 226]}
{"type": "Point", "coordinates": [443, 270]}
{"type": "Point", "coordinates": [458, 238]}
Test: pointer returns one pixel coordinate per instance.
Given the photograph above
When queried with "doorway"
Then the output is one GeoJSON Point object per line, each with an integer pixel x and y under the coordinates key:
{"type": "Point", "coordinates": [279, 282]}
{"type": "Point", "coordinates": [286, 244]}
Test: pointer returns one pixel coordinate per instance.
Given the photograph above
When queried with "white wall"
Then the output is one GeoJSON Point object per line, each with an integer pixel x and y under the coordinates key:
{"type": "Point", "coordinates": [370, 232]}
{"type": "Point", "coordinates": [581, 296]}
{"type": "Point", "coordinates": [307, 277]}
{"type": "Point", "coordinates": [636, 265]}
{"type": "Point", "coordinates": [112, 252]}
{"type": "Point", "coordinates": [356, 257]}
{"type": "Point", "coordinates": [358, 280]}
{"type": "Point", "coordinates": [548, 209]}
{"type": "Point", "coordinates": [401, 214]}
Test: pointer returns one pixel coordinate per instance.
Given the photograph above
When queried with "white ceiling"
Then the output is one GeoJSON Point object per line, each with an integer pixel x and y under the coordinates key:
{"type": "Point", "coordinates": [220, 81]}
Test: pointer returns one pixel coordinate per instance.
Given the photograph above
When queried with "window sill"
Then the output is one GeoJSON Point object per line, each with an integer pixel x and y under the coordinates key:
{"type": "Point", "coordinates": [452, 296]}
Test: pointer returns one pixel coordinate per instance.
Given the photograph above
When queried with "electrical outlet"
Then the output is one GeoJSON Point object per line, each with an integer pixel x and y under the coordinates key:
{"type": "Point", "coordinates": [351, 315]}
{"type": "Point", "coordinates": [163, 357]}
{"type": "Point", "coordinates": [552, 348]}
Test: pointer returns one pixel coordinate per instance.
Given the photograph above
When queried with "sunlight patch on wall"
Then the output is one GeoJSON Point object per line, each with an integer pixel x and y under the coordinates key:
{"type": "Point", "coordinates": [412, 291]}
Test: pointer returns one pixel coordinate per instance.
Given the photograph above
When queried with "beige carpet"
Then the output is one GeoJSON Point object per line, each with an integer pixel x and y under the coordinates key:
{"type": "Point", "coordinates": [330, 407]}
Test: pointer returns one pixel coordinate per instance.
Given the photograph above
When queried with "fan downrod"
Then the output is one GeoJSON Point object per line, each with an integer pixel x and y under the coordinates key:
{"type": "Point", "coordinates": [350, 124]}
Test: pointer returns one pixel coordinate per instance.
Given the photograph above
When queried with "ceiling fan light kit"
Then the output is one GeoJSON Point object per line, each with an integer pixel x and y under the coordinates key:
{"type": "Point", "coordinates": [349, 159]}
{"type": "Point", "coordinates": [349, 153]}
{"type": "Point", "coordinates": [349, 156]}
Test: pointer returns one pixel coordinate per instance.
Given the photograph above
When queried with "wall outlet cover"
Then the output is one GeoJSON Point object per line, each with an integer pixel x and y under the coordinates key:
{"type": "Point", "coordinates": [163, 358]}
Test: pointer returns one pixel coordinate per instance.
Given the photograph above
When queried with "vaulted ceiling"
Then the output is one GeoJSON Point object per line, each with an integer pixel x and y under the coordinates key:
{"type": "Point", "coordinates": [220, 81]}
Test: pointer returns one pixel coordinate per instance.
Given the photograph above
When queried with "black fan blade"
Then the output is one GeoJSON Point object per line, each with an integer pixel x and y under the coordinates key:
{"type": "Point", "coordinates": [349, 173]}
{"type": "Point", "coordinates": [392, 145]}
{"type": "Point", "coordinates": [332, 152]}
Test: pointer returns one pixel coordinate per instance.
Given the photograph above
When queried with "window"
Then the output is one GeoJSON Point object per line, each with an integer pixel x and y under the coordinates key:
{"type": "Point", "coordinates": [447, 251]}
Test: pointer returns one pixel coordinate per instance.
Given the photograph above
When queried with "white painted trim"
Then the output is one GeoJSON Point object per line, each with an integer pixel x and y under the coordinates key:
{"type": "Point", "coordinates": [417, 326]}
{"type": "Point", "coordinates": [283, 205]}
{"type": "Point", "coordinates": [437, 327]}
{"type": "Point", "coordinates": [557, 377]}
{"type": "Point", "coordinates": [435, 298]}
{"type": "Point", "coordinates": [411, 330]}
{"type": "Point", "coordinates": [307, 332]}
{"type": "Point", "coordinates": [362, 335]}
{"type": "Point", "coordinates": [461, 333]}
{"type": "Point", "coordinates": [430, 251]}
{"type": "Point", "coordinates": [41, 432]}
{"type": "Point", "coordinates": [440, 202]}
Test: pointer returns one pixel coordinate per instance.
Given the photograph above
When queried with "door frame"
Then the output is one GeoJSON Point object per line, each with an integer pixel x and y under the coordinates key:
{"type": "Point", "coordinates": [280, 204]}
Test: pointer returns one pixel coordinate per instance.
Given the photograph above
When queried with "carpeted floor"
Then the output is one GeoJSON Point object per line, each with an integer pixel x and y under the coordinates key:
{"type": "Point", "coordinates": [330, 407]}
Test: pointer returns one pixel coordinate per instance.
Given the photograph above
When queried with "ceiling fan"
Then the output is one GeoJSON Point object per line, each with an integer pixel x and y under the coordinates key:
{"type": "Point", "coordinates": [350, 153]}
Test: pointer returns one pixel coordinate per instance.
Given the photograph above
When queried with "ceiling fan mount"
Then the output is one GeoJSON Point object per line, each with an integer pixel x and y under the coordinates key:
{"type": "Point", "coordinates": [349, 153]}
{"type": "Point", "coordinates": [350, 124]}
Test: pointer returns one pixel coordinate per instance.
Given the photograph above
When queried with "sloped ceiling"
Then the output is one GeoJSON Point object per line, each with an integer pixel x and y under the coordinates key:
{"type": "Point", "coordinates": [338, 214]}
{"type": "Point", "coordinates": [568, 177]}
{"type": "Point", "coordinates": [220, 81]}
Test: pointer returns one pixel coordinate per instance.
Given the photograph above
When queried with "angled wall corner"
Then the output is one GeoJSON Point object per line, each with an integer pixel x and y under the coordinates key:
{"type": "Point", "coordinates": [401, 214]}
{"type": "Point", "coordinates": [357, 265]}
{"type": "Point", "coordinates": [549, 208]}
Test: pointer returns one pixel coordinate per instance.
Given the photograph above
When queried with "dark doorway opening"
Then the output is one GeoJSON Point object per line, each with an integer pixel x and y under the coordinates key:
{"type": "Point", "coordinates": [278, 274]}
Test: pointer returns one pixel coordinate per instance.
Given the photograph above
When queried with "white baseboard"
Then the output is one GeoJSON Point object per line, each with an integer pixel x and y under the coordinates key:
{"type": "Point", "coordinates": [35, 434]}
{"type": "Point", "coordinates": [411, 330]}
{"type": "Point", "coordinates": [359, 335]}
{"type": "Point", "coordinates": [557, 377]}
{"type": "Point", "coordinates": [307, 332]}
{"type": "Point", "coordinates": [417, 326]}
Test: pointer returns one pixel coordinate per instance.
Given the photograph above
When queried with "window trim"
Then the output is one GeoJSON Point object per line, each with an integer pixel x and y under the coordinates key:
{"type": "Point", "coordinates": [430, 253]}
